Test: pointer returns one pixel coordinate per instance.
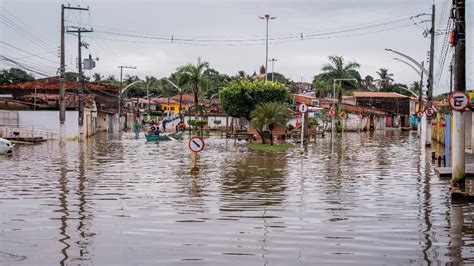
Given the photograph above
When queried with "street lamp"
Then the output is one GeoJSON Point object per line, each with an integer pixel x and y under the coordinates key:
{"type": "Point", "coordinates": [266, 17]}
{"type": "Point", "coordinates": [273, 67]}
{"type": "Point", "coordinates": [409, 58]}
{"type": "Point", "coordinates": [180, 98]}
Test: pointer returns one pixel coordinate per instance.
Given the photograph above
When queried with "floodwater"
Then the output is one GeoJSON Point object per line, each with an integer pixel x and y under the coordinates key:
{"type": "Point", "coordinates": [367, 199]}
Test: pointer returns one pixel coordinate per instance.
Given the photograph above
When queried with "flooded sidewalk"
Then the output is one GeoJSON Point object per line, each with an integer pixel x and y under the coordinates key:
{"type": "Point", "coordinates": [367, 198]}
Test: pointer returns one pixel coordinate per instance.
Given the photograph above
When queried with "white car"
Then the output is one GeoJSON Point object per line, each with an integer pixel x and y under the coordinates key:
{"type": "Point", "coordinates": [6, 147]}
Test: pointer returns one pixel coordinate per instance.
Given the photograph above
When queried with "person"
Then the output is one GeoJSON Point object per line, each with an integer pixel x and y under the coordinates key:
{"type": "Point", "coordinates": [164, 125]}
{"type": "Point", "coordinates": [151, 131]}
{"type": "Point", "coordinates": [157, 131]}
{"type": "Point", "coordinates": [136, 129]}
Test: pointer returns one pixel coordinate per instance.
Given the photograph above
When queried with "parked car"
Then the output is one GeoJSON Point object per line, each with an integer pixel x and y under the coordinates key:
{"type": "Point", "coordinates": [6, 147]}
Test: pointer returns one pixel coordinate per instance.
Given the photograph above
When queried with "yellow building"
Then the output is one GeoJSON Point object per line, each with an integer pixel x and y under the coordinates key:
{"type": "Point", "coordinates": [169, 105]}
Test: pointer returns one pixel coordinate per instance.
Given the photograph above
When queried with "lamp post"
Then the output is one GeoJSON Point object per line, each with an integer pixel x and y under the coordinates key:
{"type": "Point", "coordinates": [180, 98]}
{"type": "Point", "coordinates": [273, 68]}
{"type": "Point", "coordinates": [121, 92]}
{"type": "Point", "coordinates": [334, 103]}
{"type": "Point", "coordinates": [266, 17]}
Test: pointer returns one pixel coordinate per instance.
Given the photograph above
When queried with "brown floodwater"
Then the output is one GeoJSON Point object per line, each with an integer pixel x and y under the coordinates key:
{"type": "Point", "coordinates": [366, 199]}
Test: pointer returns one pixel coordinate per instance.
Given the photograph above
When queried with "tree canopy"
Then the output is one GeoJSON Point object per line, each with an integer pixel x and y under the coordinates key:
{"type": "Point", "coordinates": [239, 97]}
{"type": "Point", "coordinates": [14, 75]}
{"type": "Point", "coordinates": [337, 68]}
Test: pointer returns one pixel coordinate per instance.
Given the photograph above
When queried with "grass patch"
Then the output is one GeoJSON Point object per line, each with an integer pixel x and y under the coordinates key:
{"type": "Point", "coordinates": [277, 148]}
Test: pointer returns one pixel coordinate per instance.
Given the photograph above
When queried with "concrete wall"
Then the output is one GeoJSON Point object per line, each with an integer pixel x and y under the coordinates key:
{"type": "Point", "coordinates": [50, 121]}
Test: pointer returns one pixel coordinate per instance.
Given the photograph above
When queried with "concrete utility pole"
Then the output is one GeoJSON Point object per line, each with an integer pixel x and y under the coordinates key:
{"type": "Point", "coordinates": [80, 44]}
{"type": "Point", "coordinates": [120, 92]}
{"type": "Point", "coordinates": [458, 166]}
{"type": "Point", "coordinates": [420, 96]}
{"type": "Point", "coordinates": [266, 17]}
{"type": "Point", "coordinates": [273, 68]}
{"type": "Point", "coordinates": [62, 70]}
{"type": "Point", "coordinates": [429, 100]}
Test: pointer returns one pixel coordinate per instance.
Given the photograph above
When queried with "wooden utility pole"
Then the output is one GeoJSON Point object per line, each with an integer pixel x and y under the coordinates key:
{"type": "Point", "coordinates": [80, 44]}
{"type": "Point", "coordinates": [429, 100]}
{"type": "Point", "coordinates": [62, 70]}
{"type": "Point", "coordinates": [459, 164]}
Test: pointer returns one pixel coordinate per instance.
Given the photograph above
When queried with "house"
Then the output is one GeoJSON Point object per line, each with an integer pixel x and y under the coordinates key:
{"type": "Point", "coordinates": [36, 104]}
{"type": "Point", "coordinates": [357, 117]}
{"type": "Point", "coordinates": [398, 107]}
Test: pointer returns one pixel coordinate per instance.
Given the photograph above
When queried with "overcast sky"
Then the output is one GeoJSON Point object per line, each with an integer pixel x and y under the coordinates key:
{"type": "Point", "coordinates": [222, 33]}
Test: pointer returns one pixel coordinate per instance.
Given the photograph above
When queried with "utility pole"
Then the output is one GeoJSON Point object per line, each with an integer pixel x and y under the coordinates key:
{"type": "Point", "coordinates": [420, 94]}
{"type": "Point", "coordinates": [429, 100]}
{"type": "Point", "coordinates": [80, 44]}
{"type": "Point", "coordinates": [450, 77]}
{"type": "Point", "coordinates": [273, 67]}
{"type": "Point", "coordinates": [120, 92]}
{"type": "Point", "coordinates": [62, 70]}
{"type": "Point", "coordinates": [266, 17]}
{"type": "Point", "coordinates": [459, 164]}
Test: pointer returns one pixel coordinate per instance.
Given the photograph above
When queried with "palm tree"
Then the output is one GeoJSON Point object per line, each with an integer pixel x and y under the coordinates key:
{"type": "Point", "coordinates": [337, 68]}
{"type": "Point", "coordinates": [415, 87]}
{"type": "Point", "coordinates": [266, 116]}
{"type": "Point", "coordinates": [385, 78]}
{"type": "Point", "coordinates": [193, 76]}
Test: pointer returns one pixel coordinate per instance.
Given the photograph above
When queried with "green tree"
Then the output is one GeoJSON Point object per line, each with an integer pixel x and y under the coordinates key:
{"type": "Point", "coordinates": [216, 81]}
{"type": "Point", "coordinates": [336, 69]}
{"type": "Point", "coordinates": [385, 78]}
{"type": "Point", "coordinates": [97, 77]}
{"type": "Point", "coordinates": [278, 77]}
{"type": "Point", "coordinates": [239, 97]}
{"type": "Point", "coordinates": [14, 75]}
{"type": "Point", "coordinates": [266, 116]}
{"type": "Point", "coordinates": [193, 77]}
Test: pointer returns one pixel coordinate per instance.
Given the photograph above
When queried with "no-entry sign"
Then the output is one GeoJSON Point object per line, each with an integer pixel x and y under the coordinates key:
{"type": "Point", "coordinates": [458, 101]}
{"type": "Point", "coordinates": [303, 108]}
{"type": "Point", "coordinates": [331, 113]}
{"type": "Point", "coordinates": [196, 144]}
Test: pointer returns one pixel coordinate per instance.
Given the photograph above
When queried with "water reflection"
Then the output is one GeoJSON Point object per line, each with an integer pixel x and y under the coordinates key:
{"type": "Point", "coordinates": [253, 181]}
{"type": "Point", "coordinates": [63, 203]}
{"type": "Point", "coordinates": [368, 198]}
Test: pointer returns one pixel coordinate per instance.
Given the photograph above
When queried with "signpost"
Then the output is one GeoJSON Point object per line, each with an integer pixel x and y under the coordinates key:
{"type": "Point", "coordinates": [303, 108]}
{"type": "Point", "coordinates": [458, 101]}
{"type": "Point", "coordinates": [332, 113]}
{"type": "Point", "coordinates": [429, 112]}
{"type": "Point", "coordinates": [196, 144]}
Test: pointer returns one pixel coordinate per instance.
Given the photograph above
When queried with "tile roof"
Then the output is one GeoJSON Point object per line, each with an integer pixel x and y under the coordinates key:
{"type": "Point", "coordinates": [369, 94]}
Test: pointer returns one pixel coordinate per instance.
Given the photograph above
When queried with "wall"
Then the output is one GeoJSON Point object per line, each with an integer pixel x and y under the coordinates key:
{"type": "Point", "coordinates": [50, 120]}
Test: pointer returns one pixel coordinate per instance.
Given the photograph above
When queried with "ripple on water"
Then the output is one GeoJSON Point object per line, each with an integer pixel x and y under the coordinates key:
{"type": "Point", "coordinates": [367, 199]}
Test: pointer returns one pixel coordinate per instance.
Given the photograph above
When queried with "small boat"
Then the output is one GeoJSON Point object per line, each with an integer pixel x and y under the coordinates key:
{"type": "Point", "coordinates": [6, 147]}
{"type": "Point", "coordinates": [163, 137]}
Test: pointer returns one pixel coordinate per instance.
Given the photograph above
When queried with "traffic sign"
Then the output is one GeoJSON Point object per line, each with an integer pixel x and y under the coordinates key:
{"type": "Point", "coordinates": [343, 115]}
{"type": "Point", "coordinates": [196, 144]}
{"type": "Point", "coordinates": [331, 113]}
{"type": "Point", "coordinates": [419, 114]}
{"type": "Point", "coordinates": [458, 101]}
{"type": "Point", "coordinates": [303, 108]}
{"type": "Point", "coordinates": [429, 112]}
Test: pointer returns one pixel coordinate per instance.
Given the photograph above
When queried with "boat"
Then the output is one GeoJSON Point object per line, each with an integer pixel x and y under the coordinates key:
{"type": "Point", "coordinates": [6, 147]}
{"type": "Point", "coordinates": [163, 137]}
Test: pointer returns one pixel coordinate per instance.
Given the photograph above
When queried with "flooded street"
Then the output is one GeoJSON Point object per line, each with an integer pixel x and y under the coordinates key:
{"type": "Point", "coordinates": [368, 199]}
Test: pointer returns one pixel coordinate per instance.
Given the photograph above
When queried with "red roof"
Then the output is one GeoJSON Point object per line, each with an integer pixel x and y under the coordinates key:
{"type": "Point", "coordinates": [369, 94]}
{"type": "Point", "coordinates": [52, 83]}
